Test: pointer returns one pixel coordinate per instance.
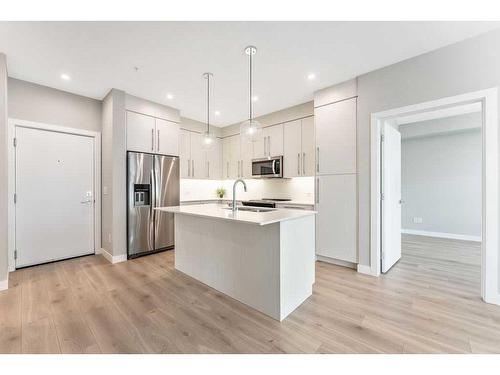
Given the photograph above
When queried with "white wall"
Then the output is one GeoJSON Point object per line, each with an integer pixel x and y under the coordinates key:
{"type": "Point", "coordinates": [298, 189]}
{"type": "Point", "coordinates": [32, 102]}
{"type": "Point", "coordinates": [464, 67]}
{"type": "Point", "coordinates": [4, 261]}
{"type": "Point", "coordinates": [441, 182]}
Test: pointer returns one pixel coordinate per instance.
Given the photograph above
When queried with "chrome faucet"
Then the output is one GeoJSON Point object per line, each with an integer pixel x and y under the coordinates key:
{"type": "Point", "coordinates": [234, 191]}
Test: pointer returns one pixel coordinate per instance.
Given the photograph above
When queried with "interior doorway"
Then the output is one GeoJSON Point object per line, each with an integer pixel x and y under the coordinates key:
{"type": "Point", "coordinates": [386, 182]}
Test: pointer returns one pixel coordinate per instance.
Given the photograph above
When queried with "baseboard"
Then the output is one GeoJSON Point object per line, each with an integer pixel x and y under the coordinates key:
{"type": "Point", "coordinates": [112, 258]}
{"type": "Point", "coordinates": [4, 284]}
{"type": "Point", "coordinates": [453, 236]}
{"type": "Point", "coordinates": [337, 262]}
{"type": "Point", "coordinates": [366, 270]}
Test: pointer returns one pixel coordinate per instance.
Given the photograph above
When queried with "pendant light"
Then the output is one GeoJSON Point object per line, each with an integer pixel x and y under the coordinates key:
{"type": "Point", "coordinates": [208, 139]}
{"type": "Point", "coordinates": [251, 129]}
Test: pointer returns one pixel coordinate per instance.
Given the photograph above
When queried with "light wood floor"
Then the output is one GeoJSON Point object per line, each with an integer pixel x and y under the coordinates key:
{"type": "Point", "coordinates": [429, 302]}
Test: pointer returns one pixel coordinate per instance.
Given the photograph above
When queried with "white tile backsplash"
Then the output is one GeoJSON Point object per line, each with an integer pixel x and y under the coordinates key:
{"type": "Point", "coordinates": [297, 189]}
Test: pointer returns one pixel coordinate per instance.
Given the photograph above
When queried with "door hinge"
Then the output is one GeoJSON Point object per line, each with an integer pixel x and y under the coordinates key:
{"type": "Point", "coordinates": [382, 138]}
{"type": "Point", "coordinates": [14, 141]}
{"type": "Point", "coordinates": [15, 254]}
{"type": "Point", "coordinates": [15, 198]}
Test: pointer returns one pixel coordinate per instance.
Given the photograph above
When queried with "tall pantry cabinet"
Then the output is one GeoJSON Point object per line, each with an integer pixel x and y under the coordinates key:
{"type": "Point", "coordinates": [336, 179]}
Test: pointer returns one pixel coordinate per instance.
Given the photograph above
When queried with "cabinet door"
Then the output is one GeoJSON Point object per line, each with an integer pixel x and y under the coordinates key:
{"type": "Point", "coordinates": [167, 137]}
{"type": "Point", "coordinates": [292, 148]}
{"type": "Point", "coordinates": [185, 153]}
{"type": "Point", "coordinates": [246, 153]}
{"type": "Point", "coordinates": [214, 160]}
{"type": "Point", "coordinates": [140, 132]}
{"type": "Point", "coordinates": [274, 140]}
{"type": "Point", "coordinates": [336, 137]}
{"type": "Point", "coordinates": [230, 155]}
{"type": "Point", "coordinates": [259, 149]}
{"type": "Point", "coordinates": [308, 154]}
{"type": "Point", "coordinates": [198, 157]}
{"type": "Point", "coordinates": [336, 219]}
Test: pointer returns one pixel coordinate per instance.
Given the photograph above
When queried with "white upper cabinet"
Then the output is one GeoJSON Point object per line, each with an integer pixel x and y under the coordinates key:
{"type": "Point", "coordinates": [214, 161]}
{"type": "Point", "coordinates": [308, 154]}
{"type": "Point", "coordinates": [198, 160]}
{"type": "Point", "coordinates": [167, 137]}
{"type": "Point", "coordinates": [292, 155]}
{"type": "Point", "coordinates": [140, 133]}
{"type": "Point", "coordinates": [336, 137]}
{"type": "Point", "coordinates": [271, 142]}
{"type": "Point", "coordinates": [185, 153]}
{"type": "Point", "coordinates": [298, 148]}
{"type": "Point", "coordinates": [153, 135]}
{"type": "Point", "coordinates": [336, 226]}
{"type": "Point", "coordinates": [231, 157]}
{"type": "Point", "coordinates": [246, 155]}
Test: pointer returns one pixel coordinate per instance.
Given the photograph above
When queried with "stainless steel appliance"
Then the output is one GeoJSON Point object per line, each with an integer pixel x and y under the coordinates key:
{"type": "Point", "coordinates": [152, 181]}
{"type": "Point", "coordinates": [268, 167]}
{"type": "Point", "coordinates": [265, 202]}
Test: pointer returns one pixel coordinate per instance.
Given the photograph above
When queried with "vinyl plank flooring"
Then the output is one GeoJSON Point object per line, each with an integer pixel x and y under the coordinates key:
{"type": "Point", "coordinates": [428, 303]}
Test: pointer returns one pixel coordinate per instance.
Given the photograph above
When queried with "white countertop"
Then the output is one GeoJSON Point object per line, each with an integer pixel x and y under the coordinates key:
{"type": "Point", "coordinates": [291, 202]}
{"type": "Point", "coordinates": [218, 211]}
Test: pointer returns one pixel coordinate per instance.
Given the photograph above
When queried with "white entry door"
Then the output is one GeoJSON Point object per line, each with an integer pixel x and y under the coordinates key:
{"type": "Point", "coordinates": [391, 202]}
{"type": "Point", "coordinates": [54, 214]}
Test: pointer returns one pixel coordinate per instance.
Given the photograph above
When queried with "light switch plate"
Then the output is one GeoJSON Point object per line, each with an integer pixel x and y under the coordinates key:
{"type": "Point", "coordinates": [417, 220]}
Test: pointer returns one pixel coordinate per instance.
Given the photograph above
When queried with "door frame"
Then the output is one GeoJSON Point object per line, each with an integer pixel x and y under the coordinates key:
{"type": "Point", "coordinates": [489, 244]}
{"type": "Point", "coordinates": [12, 123]}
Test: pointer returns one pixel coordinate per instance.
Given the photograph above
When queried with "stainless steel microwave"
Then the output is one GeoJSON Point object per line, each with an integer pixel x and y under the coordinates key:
{"type": "Point", "coordinates": [268, 167]}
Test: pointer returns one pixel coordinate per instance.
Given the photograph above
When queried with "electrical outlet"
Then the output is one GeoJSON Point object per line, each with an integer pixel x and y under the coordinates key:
{"type": "Point", "coordinates": [417, 220]}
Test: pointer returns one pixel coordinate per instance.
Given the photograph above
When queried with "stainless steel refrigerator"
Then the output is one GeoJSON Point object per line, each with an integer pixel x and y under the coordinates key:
{"type": "Point", "coordinates": [153, 181]}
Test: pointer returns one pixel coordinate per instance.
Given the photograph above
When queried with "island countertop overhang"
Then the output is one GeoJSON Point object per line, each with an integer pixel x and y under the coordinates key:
{"type": "Point", "coordinates": [220, 212]}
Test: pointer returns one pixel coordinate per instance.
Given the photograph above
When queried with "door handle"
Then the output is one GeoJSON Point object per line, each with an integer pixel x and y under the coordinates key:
{"type": "Point", "coordinates": [304, 163]}
{"type": "Point", "coordinates": [158, 141]}
{"type": "Point", "coordinates": [298, 163]}
{"type": "Point", "coordinates": [152, 139]}
{"type": "Point", "coordinates": [317, 190]}
{"type": "Point", "coordinates": [317, 159]}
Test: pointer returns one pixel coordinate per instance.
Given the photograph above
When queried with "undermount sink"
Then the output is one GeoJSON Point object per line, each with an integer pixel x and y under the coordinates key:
{"type": "Point", "coordinates": [251, 209]}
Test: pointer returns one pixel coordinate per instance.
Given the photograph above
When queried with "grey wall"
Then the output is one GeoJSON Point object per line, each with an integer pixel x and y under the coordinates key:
{"type": "Point", "coordinates": [441, 182]}
{"type": "Point", "coordinates": [463, 67]}
{"type": "Point", "coordinates": [32, 102]}
{"type": "Point", "coordinates": [4, 262]}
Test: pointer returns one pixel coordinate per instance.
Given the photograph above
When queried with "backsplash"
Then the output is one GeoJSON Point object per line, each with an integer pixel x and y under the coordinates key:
{"type": "Point", "coordinates": [298, 189]}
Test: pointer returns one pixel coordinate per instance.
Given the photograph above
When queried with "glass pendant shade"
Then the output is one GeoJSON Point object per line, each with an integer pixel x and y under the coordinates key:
{"type": "Point", "coordinates": [250, 130]}
{"type": "Point", "coordinates": [207, 140]}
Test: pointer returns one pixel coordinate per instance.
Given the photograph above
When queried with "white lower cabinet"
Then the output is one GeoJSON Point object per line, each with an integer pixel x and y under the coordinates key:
{"type": "Point", "coordinates": [336, 223]}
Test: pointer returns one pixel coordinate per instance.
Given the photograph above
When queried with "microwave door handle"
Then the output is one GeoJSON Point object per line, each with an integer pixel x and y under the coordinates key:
{"type": "Point", "coordinates": [274, 166]}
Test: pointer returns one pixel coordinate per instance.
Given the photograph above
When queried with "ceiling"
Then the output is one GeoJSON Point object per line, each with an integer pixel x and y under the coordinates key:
{"type": "Point", "coordinates": [172, 56]}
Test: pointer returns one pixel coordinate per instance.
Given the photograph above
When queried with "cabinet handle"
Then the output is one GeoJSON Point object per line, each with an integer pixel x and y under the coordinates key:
{"type": "Point", "coordinates": [317, 190]}
{"type": "Point", "coordinates": [189, 167]}
{"type": "Point", "coordinates": [268, 145]}
{"type": "Point", "coordinates": [158, 141]}
{"type": "Point", "coordinates": [208, 169]}
{"type": "Point", "coordinates": [304, 163]}
{"type": "Point", "coordinates": [317, 159]}
{"type": "Point", "coordinates": [152, 139]}
{"type": "Point", "coordinates": [298, 163]}
{"type": "Point", "coordinates": [192, 168]}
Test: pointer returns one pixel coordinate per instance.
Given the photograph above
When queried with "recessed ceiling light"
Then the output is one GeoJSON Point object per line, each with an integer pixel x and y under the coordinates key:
{"type": "Point", "coordinates": [217, 113]}
{"type": "Point", "coordinates": [255, 98]}
{"type": "Point", "coordinates": [65, 77]}
{"type": "Point", "coordinates": [311, 76]}
{"type": "Point", "coordinates": [170, 96]}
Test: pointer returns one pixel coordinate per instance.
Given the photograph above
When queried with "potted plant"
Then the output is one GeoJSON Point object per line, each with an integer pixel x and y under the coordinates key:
{"type": "Point", "coordinates": [221, 192]}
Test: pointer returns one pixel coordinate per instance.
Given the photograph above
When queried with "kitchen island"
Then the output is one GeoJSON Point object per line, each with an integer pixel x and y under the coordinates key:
{"type": "Point", "coordinates": [263, 259]}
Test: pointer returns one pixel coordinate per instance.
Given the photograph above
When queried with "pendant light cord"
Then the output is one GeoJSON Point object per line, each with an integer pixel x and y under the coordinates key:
{"type": "Point", "coordinates": [250, 55]}
{"type": "Point", "coordinates": [208, 104]}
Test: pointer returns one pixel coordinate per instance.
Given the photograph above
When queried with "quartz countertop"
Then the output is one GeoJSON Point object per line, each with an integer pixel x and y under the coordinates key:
{"type": "Point", "coordinates": [221, 212]}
